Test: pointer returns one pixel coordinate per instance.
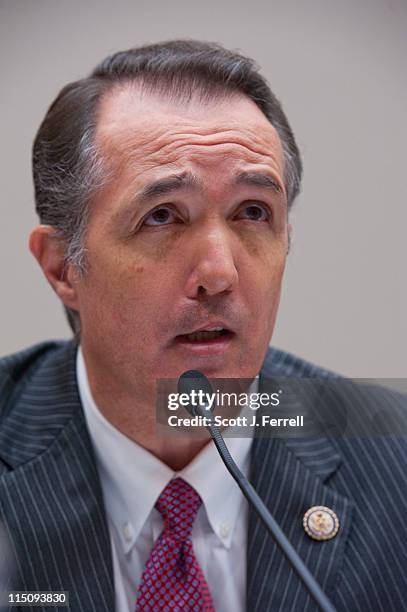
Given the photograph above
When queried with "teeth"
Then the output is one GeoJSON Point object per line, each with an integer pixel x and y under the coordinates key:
{"type": "Point", "coordinates": [205, 335]}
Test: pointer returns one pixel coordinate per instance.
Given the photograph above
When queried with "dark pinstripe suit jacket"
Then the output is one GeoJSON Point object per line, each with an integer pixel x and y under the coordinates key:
{"type": "Point", "coordinates": [51, 501]}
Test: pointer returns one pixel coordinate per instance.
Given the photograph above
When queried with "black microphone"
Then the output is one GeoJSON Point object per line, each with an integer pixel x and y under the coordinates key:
{"type": "Point", "coordinates": [193, 380]}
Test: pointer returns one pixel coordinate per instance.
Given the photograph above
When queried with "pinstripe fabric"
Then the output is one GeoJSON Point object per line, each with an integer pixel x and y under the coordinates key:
{"type": "Point", "coordinates": [50, 496]}
{"type": "Point", "coordinates": [364, 480]}
{"type": "Point", "coordinates": [51, 500]}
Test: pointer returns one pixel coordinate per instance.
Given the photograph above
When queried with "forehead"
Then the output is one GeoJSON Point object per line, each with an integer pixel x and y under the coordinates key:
{"type": "Point", "coordinates": [144, 131]}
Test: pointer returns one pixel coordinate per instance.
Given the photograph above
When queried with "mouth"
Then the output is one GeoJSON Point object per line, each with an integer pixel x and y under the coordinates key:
{"type": "Point", "coordinates": [210, 341]}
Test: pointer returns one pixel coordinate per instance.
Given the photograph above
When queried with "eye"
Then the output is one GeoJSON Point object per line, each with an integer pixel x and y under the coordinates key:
{"type": "Point", "coordinates": [254, 212]}
{"type": "Point", "coordinates": [160, 216]}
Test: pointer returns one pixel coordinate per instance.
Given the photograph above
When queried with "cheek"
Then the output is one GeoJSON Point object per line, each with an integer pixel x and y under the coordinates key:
{"type": "Point", "coordinates": [266, 257]}
{"type": "Point", "coordinates": [113, 293]}
{"type": "Point", "coordinates": [134, 291]}
{"type": "Point", "coordinates": [264, 281]}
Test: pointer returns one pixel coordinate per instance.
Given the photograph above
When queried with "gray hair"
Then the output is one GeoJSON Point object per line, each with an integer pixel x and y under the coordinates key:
{"type": "Point", "coordinates": [68, 170]}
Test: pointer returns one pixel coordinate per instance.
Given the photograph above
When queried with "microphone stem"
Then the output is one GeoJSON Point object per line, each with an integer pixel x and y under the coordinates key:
{"type": "Point", "coordinates": [249, 492]}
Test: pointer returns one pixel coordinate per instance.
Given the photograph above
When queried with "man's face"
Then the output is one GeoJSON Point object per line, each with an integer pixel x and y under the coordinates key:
{"type": "Point", "coordinates": [190, 234]}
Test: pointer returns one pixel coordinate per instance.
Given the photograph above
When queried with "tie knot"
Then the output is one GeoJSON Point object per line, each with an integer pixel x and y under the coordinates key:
{"type": "Point", "coordinates": [178, 505]}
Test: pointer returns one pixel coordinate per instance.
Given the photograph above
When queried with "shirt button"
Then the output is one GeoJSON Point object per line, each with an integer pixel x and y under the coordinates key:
{"type": "Point", "coordinates": [127, 531]}
{"type": "Point", "coordinates": [224, 530]}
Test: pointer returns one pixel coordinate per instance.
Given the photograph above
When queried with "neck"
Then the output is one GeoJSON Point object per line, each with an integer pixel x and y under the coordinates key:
{"type": "Point", "coordinates": [176, 452]}
{"type": "Point", "coordinates": [135, 418]}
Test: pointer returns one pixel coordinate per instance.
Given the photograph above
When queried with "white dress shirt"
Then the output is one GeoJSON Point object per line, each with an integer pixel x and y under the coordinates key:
{"type": "Point", "coordinates": [132, 480]}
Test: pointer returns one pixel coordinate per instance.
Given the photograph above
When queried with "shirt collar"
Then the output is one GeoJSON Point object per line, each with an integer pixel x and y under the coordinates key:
{"type": "Point", "coordinates": [219, 492]}
{"type": "Point", "coordinates": [132, 478]}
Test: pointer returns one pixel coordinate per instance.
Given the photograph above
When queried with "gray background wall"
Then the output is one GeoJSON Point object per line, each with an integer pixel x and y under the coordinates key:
{"type": "Point", "coordinates": [338, 67]}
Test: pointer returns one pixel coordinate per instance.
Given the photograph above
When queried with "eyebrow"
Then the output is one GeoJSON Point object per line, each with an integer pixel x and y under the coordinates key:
{"type": "Point", "coordinates": [169, 184]}
{"type": "Point", "coordinates": [258, 179]}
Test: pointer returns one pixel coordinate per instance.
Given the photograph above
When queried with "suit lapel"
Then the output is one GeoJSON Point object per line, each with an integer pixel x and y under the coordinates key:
{"type": "Point", "coordinates": [291, 475]}
{"type": "Point", "coordinates": [51, 499]}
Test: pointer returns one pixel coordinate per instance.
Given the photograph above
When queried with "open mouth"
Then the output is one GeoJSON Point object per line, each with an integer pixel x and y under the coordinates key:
{"type": "Point", "coordinates": [206, 336]}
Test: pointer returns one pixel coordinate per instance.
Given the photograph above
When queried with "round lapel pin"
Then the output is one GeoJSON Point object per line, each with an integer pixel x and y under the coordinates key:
{"type": "Point", "coordinates": [321, 523]}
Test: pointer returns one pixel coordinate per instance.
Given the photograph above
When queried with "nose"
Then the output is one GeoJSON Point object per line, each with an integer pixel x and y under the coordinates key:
{"type": "Point", "coordinates": [213, 268]}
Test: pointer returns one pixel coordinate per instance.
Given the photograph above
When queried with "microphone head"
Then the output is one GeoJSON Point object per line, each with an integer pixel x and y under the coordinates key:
{"type": "Point", "coordinates": [193, 380]}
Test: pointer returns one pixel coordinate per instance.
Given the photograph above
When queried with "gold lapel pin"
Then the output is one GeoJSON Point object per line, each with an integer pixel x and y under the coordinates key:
{"type": "Point", "coordinates": [321, 523]}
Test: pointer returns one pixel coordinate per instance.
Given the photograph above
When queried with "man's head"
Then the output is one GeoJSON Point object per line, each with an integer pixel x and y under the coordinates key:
{"type": "Point", "coordinates": [167, 176]}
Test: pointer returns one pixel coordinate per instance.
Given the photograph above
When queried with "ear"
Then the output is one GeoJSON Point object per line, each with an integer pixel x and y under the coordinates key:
{"type": "Point", "coordinates": [49, 250]}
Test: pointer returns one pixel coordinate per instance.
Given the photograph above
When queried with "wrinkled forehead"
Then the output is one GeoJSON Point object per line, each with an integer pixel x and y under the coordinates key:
{"type": "Point", "coordinates": [143, 127]}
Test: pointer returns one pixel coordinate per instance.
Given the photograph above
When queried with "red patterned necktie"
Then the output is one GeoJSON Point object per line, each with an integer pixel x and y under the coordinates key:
{"type": "Point", "coordinates": [172, 580]}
